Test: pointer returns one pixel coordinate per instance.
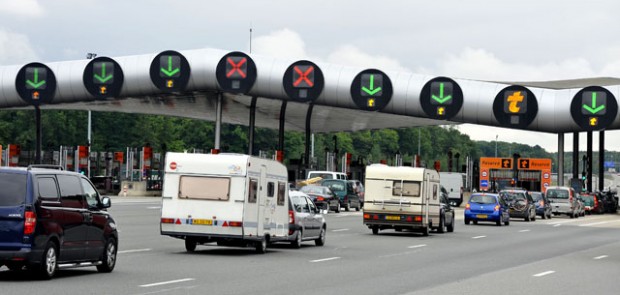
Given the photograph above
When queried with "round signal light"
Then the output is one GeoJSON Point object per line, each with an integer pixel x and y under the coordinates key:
{"type": "Point", "coordinates": [173, 166]}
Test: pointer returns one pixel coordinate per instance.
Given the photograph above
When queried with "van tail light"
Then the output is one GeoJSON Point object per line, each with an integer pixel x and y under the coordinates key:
{"type": "Point", "coordinates": [496, 208]}
{"type": "Point", "coordinates": [291, 217]}
{"type": "Point", "coordinates": [30, 222]}
{"type": "Point", "coordinates": [468, 206]}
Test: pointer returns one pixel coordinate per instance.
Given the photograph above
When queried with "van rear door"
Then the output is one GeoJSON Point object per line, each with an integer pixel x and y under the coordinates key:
{"type": "Point", "coordinates": [12, 207]}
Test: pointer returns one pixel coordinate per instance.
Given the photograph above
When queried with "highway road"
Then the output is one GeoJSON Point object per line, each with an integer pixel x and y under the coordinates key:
{"type": "Point", "coordinates": [557, 256]}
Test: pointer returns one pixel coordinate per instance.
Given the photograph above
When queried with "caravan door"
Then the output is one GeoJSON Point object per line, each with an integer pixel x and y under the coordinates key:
{"type": "Point", "coordinates": [251, 210]}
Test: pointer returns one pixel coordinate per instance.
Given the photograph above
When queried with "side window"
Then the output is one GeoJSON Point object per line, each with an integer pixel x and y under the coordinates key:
{"type": "Point", "coordinates": [48, 188]}
{"type": "Point", "coordinates": [281, 193]}
{"type": "Point", "coordinates": [252, 190]}
{"type": "Point", "coordinates": [270, 189]}
{"type": "Point", "coordinates": [304, 205]}
{"type": "Point", "coordinates": [70, 191]}
{"type": "Point", "coordinates": [92, 198]}
{"type": "Point", "coordinates": [435, 192]}
{"type": "Point", "coordinates": [311, 205]}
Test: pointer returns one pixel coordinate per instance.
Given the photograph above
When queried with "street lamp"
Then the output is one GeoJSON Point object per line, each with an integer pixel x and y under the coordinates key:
{"type": "Point", "coordinates": [496, 145]}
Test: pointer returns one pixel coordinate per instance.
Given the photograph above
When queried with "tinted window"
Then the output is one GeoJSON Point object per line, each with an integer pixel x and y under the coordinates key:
{"type": "Point", "coordinates": [252, 190]}
{"type": "Point", "coordinates": [69, 186]}
{"type": "Point", "coordinates": [336, 186]}
{"type": "Point", "coordinates": [510, 196]}
{"type": "Point", "coordinates": [13, 190]}
{"type": "Point", "coordinates": [270, 189]}
{"type": "Point", "coordinates": [482, 199]}
{"type": "Point", "coordinates": [90, 193]}
{"type": "Point", "coordinates": [557, 194]}
{"type": "Point", "coordinates": [281, 193]}
{"type": "Point", "coordinates": [48, 189]}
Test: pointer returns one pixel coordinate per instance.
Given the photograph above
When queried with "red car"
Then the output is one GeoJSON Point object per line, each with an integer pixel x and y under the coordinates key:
{"type": "Point", "coordinates": [592, 204]}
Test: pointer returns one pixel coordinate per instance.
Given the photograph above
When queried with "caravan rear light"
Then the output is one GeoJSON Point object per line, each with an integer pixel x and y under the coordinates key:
{"type": "Point", "coordinates": [235, 224]}
{"type": "Point", "coordinates": [291, 217]}
{"type": "Point", "coordinates": [167, 220]}
{"type": "Point", "coordinates": [418, 218]}
{"type": "Point", "coordinates": [375, 217]}
{"type": "Point", "coordinates": [409, 219]}
{"type": "Point", "coordinates": [30, 222]}
{"type": "Point", "coordinates": [366, 216]}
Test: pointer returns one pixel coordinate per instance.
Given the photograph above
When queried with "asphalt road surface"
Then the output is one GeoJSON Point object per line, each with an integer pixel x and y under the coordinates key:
{"type": "Point", "coordinates": [557, 256]}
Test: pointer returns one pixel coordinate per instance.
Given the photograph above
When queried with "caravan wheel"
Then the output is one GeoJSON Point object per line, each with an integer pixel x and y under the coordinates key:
{"type": "Point", "coordinates": [190, 244]}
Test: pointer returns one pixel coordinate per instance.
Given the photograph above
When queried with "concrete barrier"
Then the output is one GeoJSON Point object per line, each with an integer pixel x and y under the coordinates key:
{"type": "Point", "coordinates": [136, 188]}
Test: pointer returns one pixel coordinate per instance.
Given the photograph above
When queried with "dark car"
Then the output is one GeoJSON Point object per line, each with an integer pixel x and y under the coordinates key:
{"type": "Point", "coordinates": [322, 197]}
{"type": "Point", "coordinates": [487, 207]}
{"type": "Point", "coordinates": [592, 203]}
{"type": "Point", "coordinates": [543, 207]}
{"type": "Point", "coordinates": [610, 201]}
{"type": "Point", "coordinates": [521, 204]}
{"type": "Point", "coordinates": [446, 222]}
{"type": "Point", "coordinates": [305, 221]}
{"type": "Point", "coordinates": [50, 218]}
{"type": "Point", "coordinates": [344, 190]}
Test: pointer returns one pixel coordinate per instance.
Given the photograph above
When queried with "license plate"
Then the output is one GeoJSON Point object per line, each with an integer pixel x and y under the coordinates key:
{"type": "Point", "coordinates": [482, 216]}
{"type": "Point", "coordinates": [202, 221]}
{"type": "Point", "coordinates": [392, 217]}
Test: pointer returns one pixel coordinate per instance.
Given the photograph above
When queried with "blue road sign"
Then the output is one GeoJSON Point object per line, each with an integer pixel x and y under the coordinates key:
{"type": "Point", "coordinates": [484, 183]}
{"type": "Point", "coordinates": [609, 164]}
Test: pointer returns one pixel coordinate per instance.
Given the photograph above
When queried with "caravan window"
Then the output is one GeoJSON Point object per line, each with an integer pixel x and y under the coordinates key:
{"type": "Point", "coordinates": [204, 188]}
{"type": "Point", "coordinates": [406, 188]}
{"type": "Point", "coordinates": [281, 193]}
{"type": "Point", "coordinates": [270, 189]}
{"type": "Point", "coordinates": [252, 189]}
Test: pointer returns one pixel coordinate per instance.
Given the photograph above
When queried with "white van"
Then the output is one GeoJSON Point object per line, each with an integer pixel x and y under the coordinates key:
{"type": "Point", "coordinates": [231, 199]}
{"type": "Point", "coordinates": [402, 198]}
{"type": "Point", "coordinates": [327, 175]}
{"type": "Point", "coordinates": [453, 183]}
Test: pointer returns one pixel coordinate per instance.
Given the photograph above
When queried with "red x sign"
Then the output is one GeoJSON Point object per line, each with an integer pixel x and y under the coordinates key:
{"type": "Point", "coordinates": [236, 69]}
{"type": "Point", "coordinates": [302, 73]}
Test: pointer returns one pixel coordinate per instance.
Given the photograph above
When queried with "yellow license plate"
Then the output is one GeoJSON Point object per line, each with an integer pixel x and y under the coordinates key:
{"type": "Point", "coordinates": [202, 221]}
{"type": "Point", "coordinates": [484, 216]}
{"type": "Point", "coordinates": [392, 217]}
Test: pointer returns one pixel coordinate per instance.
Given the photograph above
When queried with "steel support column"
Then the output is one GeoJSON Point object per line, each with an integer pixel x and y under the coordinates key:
{"type": "Point", "coordinates": [561, 159]}
{"type": "Point", "coordinates": [601, 160]}
{"type": "Point", "coordinates": [576, 155]}
{"type": "Point", "coordinates": [218, 123]}
{"type": "Point", "coordinates": [308, 132]}
{"type": "Point", "coordinates": [281, 130]}
{"type": "Point", "coordinates": [252, 125]}
{"type": "Point", "coordinates": [37, 123]}
{"type": "Point", "coordinates": [589, 155]}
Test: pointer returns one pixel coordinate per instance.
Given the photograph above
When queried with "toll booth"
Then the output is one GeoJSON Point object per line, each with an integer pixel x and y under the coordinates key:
{"type": "Point", "coordinates": [529, 173]}
{"type": "Point", "coordinates": [81, 159]}
{"type": "Point", "coordinates": [12, 155]}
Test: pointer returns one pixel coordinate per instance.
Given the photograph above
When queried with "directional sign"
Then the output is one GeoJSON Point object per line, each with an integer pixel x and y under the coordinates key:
{"type": "Point", "coordinates": [170, 71]}
{"type": "Point", "coordinates": [506, 163]}
{"type": "Point", "coordinates": [103, 78]}
{"type": "Point", "coordinates": [515, 106]}
{"type": "Point", "coordinates": [441, 98]}
{"type": "Point", "coordinates": [371, 90]}
{"type": "Point", "coordinates": [303, 81]}
{"type": "Point", "coordinates": [236, 73]}
{"type": "Point", "coordinates": [594, 108]}
{"type": "Point", "coordinates": [524, 164]}
{"type": "Point", "coordinates": [36, 84]}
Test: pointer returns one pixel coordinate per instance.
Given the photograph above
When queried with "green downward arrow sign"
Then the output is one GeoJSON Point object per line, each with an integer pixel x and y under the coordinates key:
{"type": "Point", "coordinates": [170, 72]}
{"type": "Point", "coordinates": [103, 78]}
{"type": "Point", "coordinates": [593, 109]}
{"type": "Point", "coordinates": [441, 99]}
{"type": "Point", "coordinates": [372, 90]}
{"type": "Point", "coordinates": [36, 83]}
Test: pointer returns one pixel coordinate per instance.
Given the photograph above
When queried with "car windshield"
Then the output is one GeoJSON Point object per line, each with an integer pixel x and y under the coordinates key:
{"type": "Point", "coordinates": [536, 196]}
{"type": "Point", "coordinates": [13, 190]}
{"type": "Point", "coordinates": [312, 189]}
{"type": "Point", "coordinates": [482, 199]}
{"type": "Point", "coordinates": [588, 200]}
{"type": "Point", "coordinates": [336, 186]}
{"type": "Point", "coordinates": [557, 194]}
{"type": "Point", "coordinates": [513, 196]}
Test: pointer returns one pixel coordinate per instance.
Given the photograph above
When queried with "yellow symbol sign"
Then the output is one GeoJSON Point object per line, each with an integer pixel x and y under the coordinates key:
{"type": "Point", "coordinates": [514, 101]}
{"type": "Point", "coordinates": [593, 121]}
{"type": "Point", "coordinates": [35, 95]}
{"type": "Point", "coordinates": [169, 83]}
{"type": "Point", "coordinates": [103, 90]}
{"type": "Point", "coordinates": [371, 102]}
{"type": "Point", "coordinates": [441, 111]}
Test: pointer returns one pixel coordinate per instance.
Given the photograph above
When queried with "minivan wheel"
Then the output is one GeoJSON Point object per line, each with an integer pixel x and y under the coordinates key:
{"type": "Point", "coordinates": [108, 259]}
{"type": "Point", "coordinates": [442, 222]}
{"type": "Point", "coordinates": [451, 226]}
{"type": "Point", "coordinates": [297, 242]}
{"type": "Point", "coordinates": [322, 236]}
{"type": "Point", "coordinates": [49, 263]}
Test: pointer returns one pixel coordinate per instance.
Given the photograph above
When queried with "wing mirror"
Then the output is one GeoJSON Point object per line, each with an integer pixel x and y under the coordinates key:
{"type": "Point", "coordinates": [106, 202]}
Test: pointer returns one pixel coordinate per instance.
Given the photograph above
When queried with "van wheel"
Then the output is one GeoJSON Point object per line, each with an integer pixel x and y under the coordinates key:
{"type": "Point", "coordinates": [375, 230]}
{"type": "Point", "coordinates": [322, 236]}
{"type": "Point", "coordinates": [108, 259]}
{"type": "Point", "coordinates": [49, 264]}
{"type": "Point", "coordinates": [451, 226]}
{"type": "Point", "coordinates": [190, 244]}
{"type": "Point", "coordinates": [261, 246]}
{"type": "Point", "coordinates": [297, 242]}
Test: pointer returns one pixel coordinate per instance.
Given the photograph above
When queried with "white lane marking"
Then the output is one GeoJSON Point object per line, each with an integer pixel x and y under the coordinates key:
{"type": "Point", "coordinates": [417, 246]}
{"type": "Point", "coordinates": [342, 229]}
{"type": "Point", "coordinates": [574, 220]}
{"type": "Point", "coordinates": [598, 223]}
{"type": "Point", "coordinates": [134, 251]}
{"type": "Point", "coordinates": [348, 214]}
{"type": "Point", "coordinates": [478, 237]}
{"type": "Point", "coordinates": [600, 257]}
{"type": "Point", "coordinates": [524, 230]}
{"type": "Point", "coordinates": [544, 273]}
{"type": "Point", "coordinates": [154, 207]}
{"type": "Point", "coordinates": [325, 259]}
{"type": "Point", "coordinates": [167, 282]}
{"type": "Point", "coordinates": [557, 225]}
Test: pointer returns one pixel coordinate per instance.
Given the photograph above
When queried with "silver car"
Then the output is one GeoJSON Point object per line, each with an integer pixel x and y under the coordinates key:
{"type": "Point", "coordinates": [563, 201]}
{"type": "Point", "coordinates": [306, 223]}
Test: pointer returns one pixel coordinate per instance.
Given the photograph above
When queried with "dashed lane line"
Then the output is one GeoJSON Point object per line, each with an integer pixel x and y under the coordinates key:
{"type": "Point", "coordinates": [478, 237]}
{"type": "Point", "coordinates": [600, 257]}
{"type": "Point", "coordinates": [167, 282]}
{"type": "Point", "coordinates": [134, 251]}
{"type": "Point", "coordinates": [325, 259]}
{"type": "Point", "coordinates": [542, 274]}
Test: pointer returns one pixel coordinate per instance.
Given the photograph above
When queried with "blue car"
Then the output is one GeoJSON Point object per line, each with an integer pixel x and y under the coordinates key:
{"type": "Point", "coordinates": [487, 207]}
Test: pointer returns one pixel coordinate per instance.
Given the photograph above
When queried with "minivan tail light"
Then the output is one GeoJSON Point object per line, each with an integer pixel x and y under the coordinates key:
{"type": "Point", "coordinates": [496, 208]}
{"type": "Point", "coordinates": [467, 206]}
{"type": "Point", "coordinates": [291, 217]}
{"type": "Point", "coordinates": [30, 222]}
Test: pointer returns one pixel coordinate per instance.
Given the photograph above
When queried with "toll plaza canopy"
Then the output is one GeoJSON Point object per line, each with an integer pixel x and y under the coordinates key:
{"type": "Point", "coordinates": [188, 84]}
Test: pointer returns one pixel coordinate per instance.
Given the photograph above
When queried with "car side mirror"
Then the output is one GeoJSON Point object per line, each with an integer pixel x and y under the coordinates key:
{"type": "Point", "coordinates": [106, 202]}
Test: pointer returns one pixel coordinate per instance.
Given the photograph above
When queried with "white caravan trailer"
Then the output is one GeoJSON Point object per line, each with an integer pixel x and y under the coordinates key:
{"type": "Point", "coordinates": [231, 199]}
{"type": "Point", "coordinates": [401, 198]}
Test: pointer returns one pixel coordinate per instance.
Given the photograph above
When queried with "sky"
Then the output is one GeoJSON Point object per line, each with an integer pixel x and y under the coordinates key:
{"type": "Point", "coordinates": [526, 40]}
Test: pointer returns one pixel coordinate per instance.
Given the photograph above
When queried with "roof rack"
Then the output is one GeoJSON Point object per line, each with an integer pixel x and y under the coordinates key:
{"type": "Point", "coordinates": [46, 166]}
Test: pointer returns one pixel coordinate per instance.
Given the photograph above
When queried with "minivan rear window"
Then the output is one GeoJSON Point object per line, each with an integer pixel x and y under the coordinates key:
{"type": "Point", "coordinates": [13, 189]}
{"type": "Point", "coordinates": [482, 199]}
{"type": "Point", "coordinates": [557, 194]}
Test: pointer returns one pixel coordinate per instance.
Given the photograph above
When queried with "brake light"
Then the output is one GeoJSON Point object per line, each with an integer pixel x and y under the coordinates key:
{"type": "Point", "coordinates": [291, 217]}
{"type": "Point", "coordinates": [496, 208]}
{"type": "Point", "coordinates": [235, 224]}
{"type": "Point", "coordinates": [366, 216]}
{"type": "Point", "coordinates": [418, 218]}
{"type": "Point", "coordinates": [320, 199]}
{"type": "Point", "coordinates": [409, 219]}
{"type": "Point", "coordinates": [167, 220]}
{"type": "Point", "coordinates": [595, 201]}
{"type": "Point", "coordinates": [30, 222]}
{"type": "Point", "coordinates": [468, 206]}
